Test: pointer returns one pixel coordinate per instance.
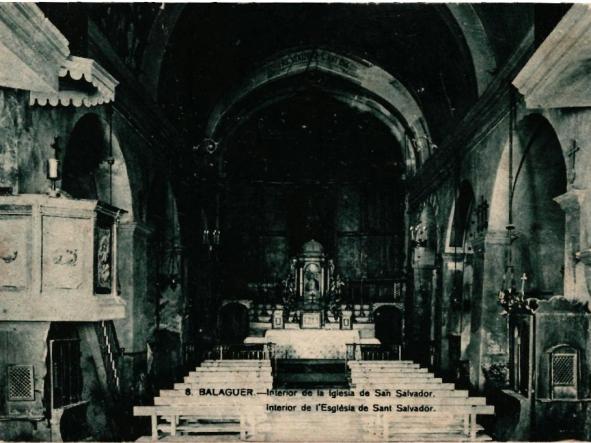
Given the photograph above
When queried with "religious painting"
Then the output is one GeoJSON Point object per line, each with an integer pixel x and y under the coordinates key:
{"type": "Point", "coordinates": [14, 252]}
{"type": "Point", "coordinates": [64, 249]}
{"type": "Point", "coordinates": [102, 260]}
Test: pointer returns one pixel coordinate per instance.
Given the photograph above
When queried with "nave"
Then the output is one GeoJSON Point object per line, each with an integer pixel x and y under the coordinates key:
{"type": "Point", "coordinates": [386, 195]}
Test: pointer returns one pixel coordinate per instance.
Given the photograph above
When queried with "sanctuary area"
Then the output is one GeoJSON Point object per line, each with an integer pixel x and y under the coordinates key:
{"type": "Point", "coordinates": [295, 222]}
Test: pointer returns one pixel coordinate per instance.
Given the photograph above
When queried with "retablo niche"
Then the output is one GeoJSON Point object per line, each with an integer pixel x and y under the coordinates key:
{"type": "Point", "coordinates": [312, 272]}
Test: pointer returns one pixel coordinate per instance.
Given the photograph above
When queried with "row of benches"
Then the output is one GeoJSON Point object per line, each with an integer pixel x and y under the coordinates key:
{"type": "Point", "coordinates": [408, 377]}
{"type": "Point", "coordinates": [189, 409]}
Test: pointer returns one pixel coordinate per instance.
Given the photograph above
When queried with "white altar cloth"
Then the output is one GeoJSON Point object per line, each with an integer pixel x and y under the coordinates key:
{"type": "Point", "coordinates": [311, 343]}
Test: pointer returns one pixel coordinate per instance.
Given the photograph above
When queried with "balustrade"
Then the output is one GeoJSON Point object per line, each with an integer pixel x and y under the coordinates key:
{"type": "Point", "coordinates": [358, 351]}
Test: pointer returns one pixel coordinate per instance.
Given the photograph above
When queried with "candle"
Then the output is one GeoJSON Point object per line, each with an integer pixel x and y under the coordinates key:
{"type": "Point", "coordinates": [52, 168]}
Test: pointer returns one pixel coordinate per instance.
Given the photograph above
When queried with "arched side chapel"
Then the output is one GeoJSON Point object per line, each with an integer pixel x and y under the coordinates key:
{"type": "Point", "coordinates": [181, 183]}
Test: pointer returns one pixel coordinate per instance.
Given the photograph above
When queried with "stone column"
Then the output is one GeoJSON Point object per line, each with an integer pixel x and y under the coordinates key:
{"type": "Point", "coordinates": [134, 331]}
{"type": "Point", "coordinates": [419, 340]}
{"type": "Point", "coordinates": [451, 262]}
{"type": "Point", "coordinates": [577, 247]}
{"type": "Point", "coordinates": [489, 341]}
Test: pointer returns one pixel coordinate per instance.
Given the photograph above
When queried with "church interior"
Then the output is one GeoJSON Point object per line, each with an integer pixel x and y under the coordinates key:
{"type": "Point", "coordinates": [207, 207]}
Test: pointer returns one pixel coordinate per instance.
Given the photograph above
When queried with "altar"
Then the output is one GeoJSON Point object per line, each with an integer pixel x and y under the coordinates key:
{"type": "Point", "coordinates": [311, 343]}
{"type": "Point", "coordinates": [313, 320]}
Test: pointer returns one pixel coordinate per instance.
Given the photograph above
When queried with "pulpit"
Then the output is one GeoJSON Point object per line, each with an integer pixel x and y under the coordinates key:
{"type": "Point", "coordinates": [58, 259]}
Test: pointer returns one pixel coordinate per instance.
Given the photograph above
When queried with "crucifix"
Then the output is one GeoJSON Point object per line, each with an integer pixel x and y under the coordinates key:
{"type": "Point", "coordinates": [572, 153]}
{"type": "Point", "coordinates": [523, 280]}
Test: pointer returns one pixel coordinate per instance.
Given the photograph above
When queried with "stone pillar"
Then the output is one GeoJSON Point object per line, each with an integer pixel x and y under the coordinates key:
{"type": "Point", "coordinates": [577, 247]}
{"type": "Point", "coordinates": [489, 340]}
{"type": "Point", "coordinates": [423, 266]}
{"type": "Point", "coordinates": [422, 318]}
{"type": "Point", "coordinates": [134, 331]}
{"type": "Point", "coordinates": [451, 262]}
{"type": "Point", "coordinates": [435, 326]}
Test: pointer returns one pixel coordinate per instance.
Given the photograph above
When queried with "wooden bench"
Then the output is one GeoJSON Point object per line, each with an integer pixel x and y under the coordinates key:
{"type": "Point", "coordinates": [236, 367]}
{"type": "Point", "coordinates": [389, 370]}
{"type": "Point", "coordinates": [164, 400]}
{"type": "Point", "coordinates": [229, 371]}
{"type": "Point", "coordinates": [396, 374]}
{"type": "Point", "coordinates": [466, 412]}
{"type": "Point", "coordinates": [396, 379]}
{"type": "Point", "coordinates": [456, 420]}
{"type": "Point", "coordinates": [240, 419]}
{"type": "Point", "coordinates": [227, 377]}
{"type": "Point", "coordinates": [382, 362]}
{"type": "Point", "coordinates": [400, 384]}
{"type": "Point", "coordinates": [236, 362]}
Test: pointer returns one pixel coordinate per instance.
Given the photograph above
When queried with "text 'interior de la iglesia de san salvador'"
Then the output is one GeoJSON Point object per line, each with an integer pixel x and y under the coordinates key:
{"type": "Point", "coordinates": [295, 222]}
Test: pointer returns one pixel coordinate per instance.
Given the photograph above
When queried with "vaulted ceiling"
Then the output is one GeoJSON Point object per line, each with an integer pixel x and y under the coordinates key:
{"type": "Point", "coordinates": [214, 47]}
{"type": "Point", "coordinates": [438, 58]}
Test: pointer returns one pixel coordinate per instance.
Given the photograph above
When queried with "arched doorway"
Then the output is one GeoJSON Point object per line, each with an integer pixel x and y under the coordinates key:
{"type": "Point", "coordinates": [233, 323]}
{"type": "Point", "coordinates": [388, 323]}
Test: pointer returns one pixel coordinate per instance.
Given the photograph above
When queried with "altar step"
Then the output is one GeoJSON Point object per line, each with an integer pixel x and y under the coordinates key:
{"type": "Point", "coordinates": [310, 373]}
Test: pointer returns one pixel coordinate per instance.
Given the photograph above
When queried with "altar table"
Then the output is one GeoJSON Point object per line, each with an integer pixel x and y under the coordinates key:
{"type": "Point", "coordinates": [311, 343]}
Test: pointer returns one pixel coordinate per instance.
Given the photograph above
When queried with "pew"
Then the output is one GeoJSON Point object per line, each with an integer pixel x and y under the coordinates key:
{"type": "Point", "coordinates": [201, 419]}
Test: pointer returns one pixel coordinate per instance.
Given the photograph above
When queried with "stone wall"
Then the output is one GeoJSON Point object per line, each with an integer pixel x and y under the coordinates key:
{"type": "Point", "coordinates": [24, 344]}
